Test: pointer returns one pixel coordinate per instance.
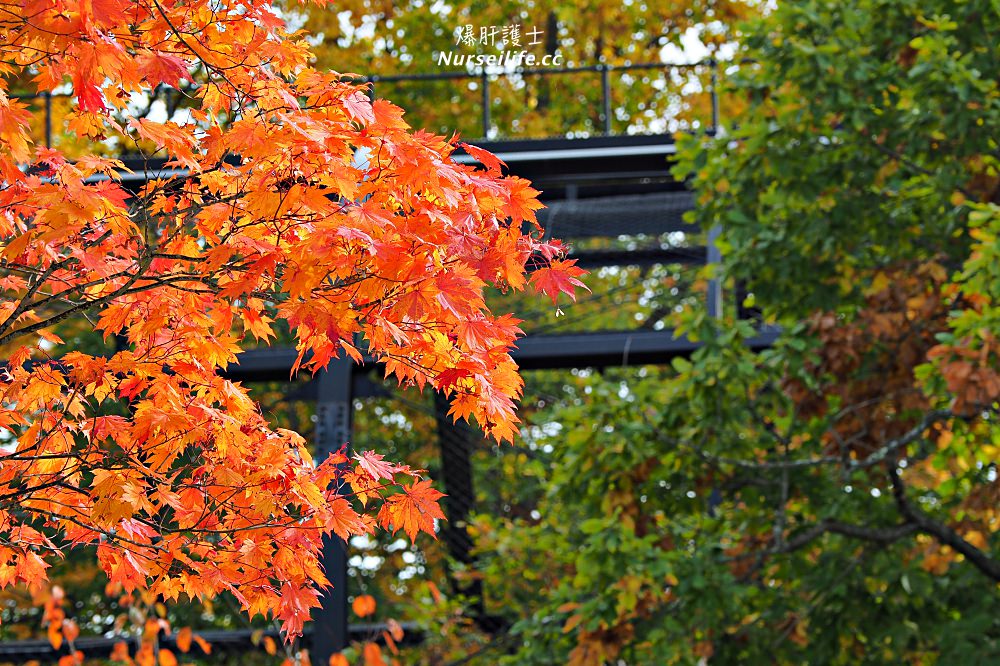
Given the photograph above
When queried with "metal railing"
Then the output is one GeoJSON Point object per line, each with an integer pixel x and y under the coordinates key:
{"type": "Point", "coordinates": [47, 99]}
{"type": "Point", "coordinates": [171, 98]}
{"type": "Point", "coordinates": [484, 77]}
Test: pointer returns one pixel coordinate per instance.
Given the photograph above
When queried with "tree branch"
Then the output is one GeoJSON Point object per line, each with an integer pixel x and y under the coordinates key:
{"type": "Point", "coordinates": [944, 534]}
{"type": "Point", "coordinates": [881, 535]}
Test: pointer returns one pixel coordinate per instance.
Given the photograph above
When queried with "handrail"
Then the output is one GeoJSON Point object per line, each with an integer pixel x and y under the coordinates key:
{"type": "Point", "coordinates": [604, 69]}
{"type": "Point", "coordinates": [484, 76]}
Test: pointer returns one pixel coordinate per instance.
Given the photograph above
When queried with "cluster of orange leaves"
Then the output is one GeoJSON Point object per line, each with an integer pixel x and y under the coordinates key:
{"type": "Point", "coordinates": [63, 630]}
{"type": "Point", "coordinates": [302, 203]}
{"type": "Point", "coordinates": [969, 367]}
{"type": "Point", "coordinates": [60, 628]}
{"type": "Point", "coordinates": [868, 365]}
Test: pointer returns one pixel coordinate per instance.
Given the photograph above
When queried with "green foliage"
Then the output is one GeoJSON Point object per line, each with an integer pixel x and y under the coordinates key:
{"type": "Point", "coordinates": [650, 544]}
{"type": "Point", "coordinates": [832, 500]}
{"type": "Point", "coordinates": [869, 124]}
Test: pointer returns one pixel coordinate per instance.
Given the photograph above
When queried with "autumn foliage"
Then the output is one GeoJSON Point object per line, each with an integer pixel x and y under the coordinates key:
{"type": "Point", "coordinates": [298, 204]}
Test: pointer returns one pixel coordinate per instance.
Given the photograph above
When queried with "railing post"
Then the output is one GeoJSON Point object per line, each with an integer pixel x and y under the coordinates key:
{"type": "Point", "coordinates": [606, 96]}
{"type": "Point", "coordinates": [456, 474]}
{"type": "Point", "coordinates": [714, 259]}
{"type": "Point", "coordinates": [714, 255]}
{"type": "Point", "coordinates": [48, 119]}
{"type": "Point", "coordinates": [713, 63]}
{"type": "Point", "coordinates": [486, 104]}
{"type": "Point", "coordinates": [714, 284]}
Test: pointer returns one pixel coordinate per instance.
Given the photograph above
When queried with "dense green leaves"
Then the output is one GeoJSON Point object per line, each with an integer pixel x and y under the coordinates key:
{"type": "Point", "coordinates": [868, 126]}
{"type": "Point", "coordinates": [832, 500]}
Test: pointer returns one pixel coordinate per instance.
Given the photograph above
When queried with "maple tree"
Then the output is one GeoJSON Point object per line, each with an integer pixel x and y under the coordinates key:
{"type": "Point", "coordinates": [147, 453]}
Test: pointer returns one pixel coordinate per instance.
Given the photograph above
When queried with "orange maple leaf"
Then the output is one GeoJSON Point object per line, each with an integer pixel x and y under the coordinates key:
{"type": "Point", "coordinates": [414, 510]}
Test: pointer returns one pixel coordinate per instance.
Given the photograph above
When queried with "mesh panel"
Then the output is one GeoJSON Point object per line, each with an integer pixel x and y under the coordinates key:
{"type": "Point", "coordinates": [629, 215]}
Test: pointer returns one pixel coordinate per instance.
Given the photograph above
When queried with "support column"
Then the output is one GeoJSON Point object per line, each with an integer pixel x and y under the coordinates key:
{"type": "Point", "coordinates": [333, 430]}
{"type": "Point", "coordinates": [714, 310]}
{"type": "Point", "coordinates": [715, 284]}
{"type": "Point", "coordinates": [456, 475]}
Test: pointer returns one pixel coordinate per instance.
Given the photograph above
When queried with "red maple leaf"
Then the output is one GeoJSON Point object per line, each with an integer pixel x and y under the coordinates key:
{"type": "Point", "coordinates": [162, 67]}
{"type": "Point", "coordinates": [89, 96]}
{"type": "Point", "coordinates": [560, 276]}
{"type": "Point", "coordinates": [492, 163]}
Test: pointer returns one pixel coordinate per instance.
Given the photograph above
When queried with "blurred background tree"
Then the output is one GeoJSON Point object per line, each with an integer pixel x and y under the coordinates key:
{"type": "Point", "coordinates": [834, 499]}
{"type": "Point", "coordinates": [371, 37]}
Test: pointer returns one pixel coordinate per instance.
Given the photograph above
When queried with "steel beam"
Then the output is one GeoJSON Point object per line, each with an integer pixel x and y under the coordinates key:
{"type": "Point", "coordinates": [535, 352]}
{"type": "Point", "coordinates": [688, 256]}
{"type": "Point", "coordinates": [333, 432]}
{"type": "Point", "coordinates": [221, 641]}
{"type": "Point", "coordinates": [597, 350]}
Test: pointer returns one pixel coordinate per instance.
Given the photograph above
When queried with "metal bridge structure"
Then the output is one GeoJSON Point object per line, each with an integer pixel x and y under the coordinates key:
{"type": "Point", "coordinates": [603, 186]}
